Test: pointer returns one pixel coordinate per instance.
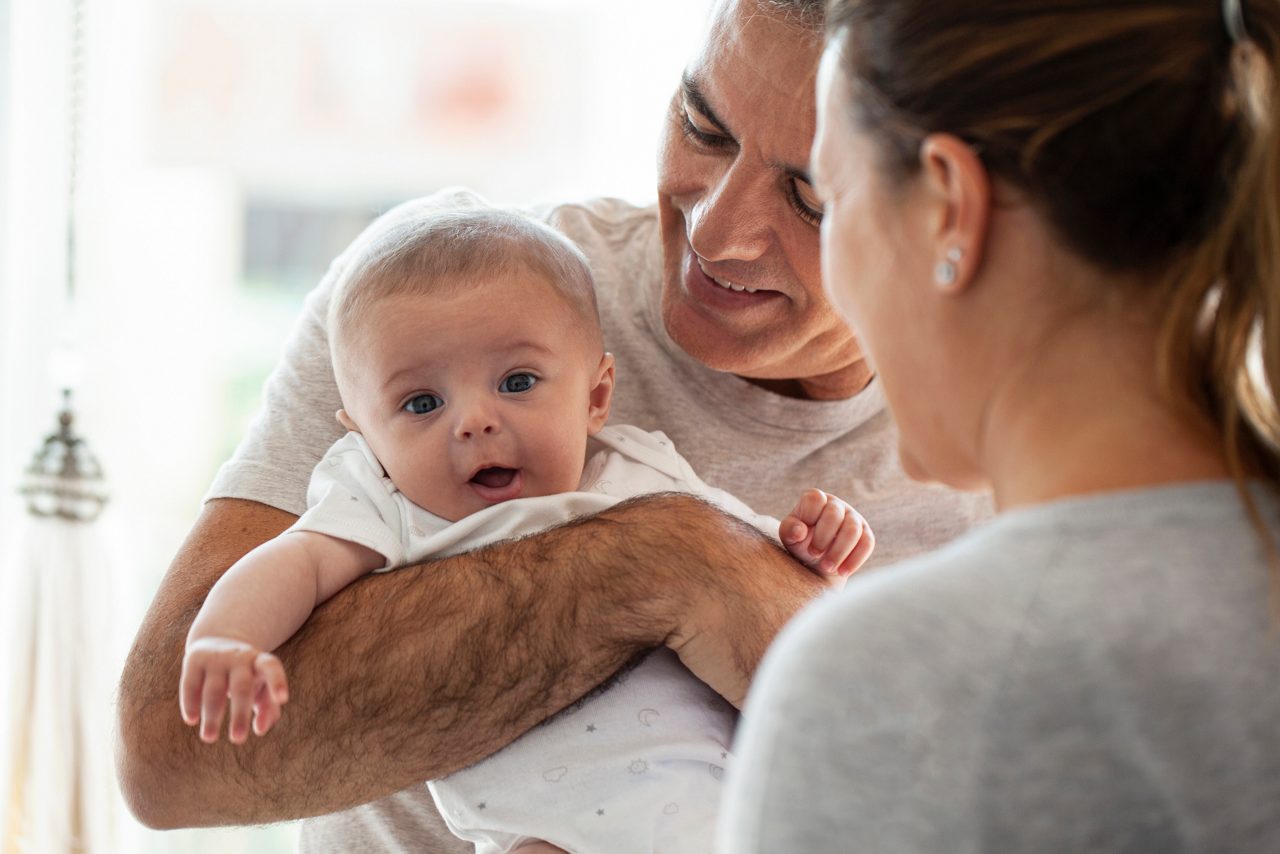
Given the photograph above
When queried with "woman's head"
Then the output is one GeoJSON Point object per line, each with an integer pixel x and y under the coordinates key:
{"type": "Point", "coordinates": [1119, 143]}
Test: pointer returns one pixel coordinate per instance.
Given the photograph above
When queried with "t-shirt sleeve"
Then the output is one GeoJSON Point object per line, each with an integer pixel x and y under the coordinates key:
{"type": "Point", "coordinates": [733, 505]}
{"type": "Point", "coordinates": [350, 498]}
{"type": "Point", "coordinates": [726, 501]}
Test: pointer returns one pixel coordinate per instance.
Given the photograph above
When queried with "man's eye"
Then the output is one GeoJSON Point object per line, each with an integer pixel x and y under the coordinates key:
{"type": "Point", "coordinates": [422, 404]}
{"type": "Point", "coordinates": [706, 139]}
{"type": "Point", "coordinates": [517, 383]}
{"type": "Point", "coordinates": [805, 201]}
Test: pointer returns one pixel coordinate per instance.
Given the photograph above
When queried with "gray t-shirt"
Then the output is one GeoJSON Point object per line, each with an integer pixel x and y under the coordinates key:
{"type": "Point", "coordinates": [1092, 675]}
{"type": "Point", "coordinates": [761, 447]}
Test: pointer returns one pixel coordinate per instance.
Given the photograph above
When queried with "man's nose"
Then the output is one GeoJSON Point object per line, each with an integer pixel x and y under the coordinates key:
{"type": "Point", "coordinates": [476, 419]}
{"type": "Point", "coordinates": [731, 221]}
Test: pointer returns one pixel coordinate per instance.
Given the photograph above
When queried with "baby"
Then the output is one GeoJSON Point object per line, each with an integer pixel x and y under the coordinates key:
{"type": "Point", "coordinates": [474, 383]}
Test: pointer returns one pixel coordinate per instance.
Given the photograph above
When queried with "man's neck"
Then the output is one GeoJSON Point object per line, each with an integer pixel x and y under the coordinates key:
{"type": "Point", "coordinates": [840, 385]}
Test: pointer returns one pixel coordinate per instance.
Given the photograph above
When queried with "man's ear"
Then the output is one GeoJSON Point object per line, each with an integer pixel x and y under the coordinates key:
{"type": "Point", "coordinates": [959, 191]}
{"type": "Point", "coordinates": [345, 420]}
{"type": "Point", "coordinates": [601, 395]}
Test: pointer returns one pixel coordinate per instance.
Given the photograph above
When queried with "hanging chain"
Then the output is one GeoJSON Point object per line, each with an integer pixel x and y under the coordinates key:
{"type": "Point", "coordinates": [73, 146]}
{"type": "Point", "coordinates": [64, 479]}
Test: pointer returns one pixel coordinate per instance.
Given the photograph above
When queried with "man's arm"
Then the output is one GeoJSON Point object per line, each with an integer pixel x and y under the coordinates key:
{"type": "Point", "coordinates": [410, 675]}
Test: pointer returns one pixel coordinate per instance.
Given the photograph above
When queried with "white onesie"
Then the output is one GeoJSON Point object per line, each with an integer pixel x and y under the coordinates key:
{"type": "Point", "coordinates": [635, 766]}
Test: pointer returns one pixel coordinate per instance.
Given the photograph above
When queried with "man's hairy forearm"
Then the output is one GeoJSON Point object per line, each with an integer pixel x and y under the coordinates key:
{"type": "Point", "coordinates": [408, 675]}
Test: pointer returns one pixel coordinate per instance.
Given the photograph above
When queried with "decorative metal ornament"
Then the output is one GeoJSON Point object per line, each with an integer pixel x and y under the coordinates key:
{"type": "Point", "coordinates": [64, 479]}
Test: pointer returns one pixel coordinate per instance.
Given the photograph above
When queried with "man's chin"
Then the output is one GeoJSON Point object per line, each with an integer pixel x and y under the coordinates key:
{"type": "Point", "coordinates": [715, 347]}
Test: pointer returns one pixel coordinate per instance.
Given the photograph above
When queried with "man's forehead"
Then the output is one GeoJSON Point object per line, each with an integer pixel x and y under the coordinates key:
{"type": "Point", "coordinates": [755, 78]}
{"type": "Point", "coordinates": [753, 58]}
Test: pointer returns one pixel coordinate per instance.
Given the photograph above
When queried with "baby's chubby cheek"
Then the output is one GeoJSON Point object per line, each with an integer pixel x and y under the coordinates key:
{"type": "Point", "coordinates": [561, 465]}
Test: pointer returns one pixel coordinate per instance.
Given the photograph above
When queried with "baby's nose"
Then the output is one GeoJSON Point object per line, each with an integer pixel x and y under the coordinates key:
{"type": "Point", "coordinates": [476, 421]}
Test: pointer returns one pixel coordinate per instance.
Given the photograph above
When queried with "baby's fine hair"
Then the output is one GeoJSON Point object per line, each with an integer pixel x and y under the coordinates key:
{"type": "Point", "coordinates": [422, 248]}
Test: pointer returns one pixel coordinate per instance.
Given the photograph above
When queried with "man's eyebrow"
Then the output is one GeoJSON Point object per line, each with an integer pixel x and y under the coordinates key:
{"type": "Point", "coordinates": [796, 172]}
{"type": "Point", "coordinates": [693, 93]}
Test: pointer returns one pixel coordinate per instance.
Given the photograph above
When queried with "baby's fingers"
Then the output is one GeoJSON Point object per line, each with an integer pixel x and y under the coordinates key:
{"type": "Point", "coordinates": [213, 705]}
{"type": "Point", "coordinates": [792, 531]}
{"type": "Point", "coordinates": [266, 711]}
{"type": "Point", "coordinates": [810, 506]}
{"type": "Point", "coordinates": [827, 526]}
{"type": "Point", "coordinates": [842, 545]}
{"type": "Point", "coordinates": [272, 692]}
{"type": "Point", "coordinates": [240, 695]}
{"type": "Point", "coordinates": [861, 552]}
{"type": "Point", "coordinates": [271, 672]}
{"type": "Point", "coordinates": [189, 690]}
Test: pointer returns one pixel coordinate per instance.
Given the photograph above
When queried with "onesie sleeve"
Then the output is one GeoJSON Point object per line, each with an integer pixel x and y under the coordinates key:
{"type": "Point", "coordinates": [672, 472]}
{"type": "Point", "coordinates": [350, 498]}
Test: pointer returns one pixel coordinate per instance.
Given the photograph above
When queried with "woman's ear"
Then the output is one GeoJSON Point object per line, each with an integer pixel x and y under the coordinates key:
{"type": "Point", "coordinates": [959, 188]}
{"type": "Point", "coordinates": [345, 420]}
{"type": "Point", "coordinates": [601, 395]}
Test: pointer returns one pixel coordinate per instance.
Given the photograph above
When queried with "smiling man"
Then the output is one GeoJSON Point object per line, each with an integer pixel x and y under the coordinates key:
{"type": "Point", "coordinates": [712, 303]}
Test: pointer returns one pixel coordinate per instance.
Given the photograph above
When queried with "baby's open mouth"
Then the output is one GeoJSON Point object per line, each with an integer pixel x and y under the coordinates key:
{"type": "Point", "coordinates": [494, 477]}
{"type": "Point", "coordinates": [495, 484]}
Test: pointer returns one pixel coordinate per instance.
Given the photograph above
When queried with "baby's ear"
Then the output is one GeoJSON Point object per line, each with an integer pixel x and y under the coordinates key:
{"type": "Point", "coordinates": [601, 395]}
{"type": "Point", "coordinates": [345, 420]}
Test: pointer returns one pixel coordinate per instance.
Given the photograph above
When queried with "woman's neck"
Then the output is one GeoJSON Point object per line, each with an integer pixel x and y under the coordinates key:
{"type": "Point", "coordinates": [1085, 416]}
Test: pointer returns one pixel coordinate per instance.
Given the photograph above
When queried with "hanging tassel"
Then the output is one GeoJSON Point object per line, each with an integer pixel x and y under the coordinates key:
{"type": "Point", "coordinates": [60, 791]}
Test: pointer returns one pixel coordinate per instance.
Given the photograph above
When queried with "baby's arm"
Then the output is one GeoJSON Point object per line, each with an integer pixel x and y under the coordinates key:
{"type": "Point", "coordinates": [826, 534]}
{"type": "Point", "coordinates": [257, 605]}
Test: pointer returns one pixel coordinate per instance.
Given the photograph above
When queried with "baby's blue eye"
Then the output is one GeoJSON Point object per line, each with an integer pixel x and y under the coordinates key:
{"type": "Point", "coordinates": [517, 383]}
{"type": "Point", "coordinates": [422, 404]}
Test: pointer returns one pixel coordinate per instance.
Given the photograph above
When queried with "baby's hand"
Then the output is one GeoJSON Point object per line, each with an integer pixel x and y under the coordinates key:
{"type": "Point", "coordinates": [827, 535]}
{"type": "Point", "coordinates": [217, 669]}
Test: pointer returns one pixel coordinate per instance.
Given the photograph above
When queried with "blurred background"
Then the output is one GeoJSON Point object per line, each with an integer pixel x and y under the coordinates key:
{"type": "Point", "coordinates": [229, 149]}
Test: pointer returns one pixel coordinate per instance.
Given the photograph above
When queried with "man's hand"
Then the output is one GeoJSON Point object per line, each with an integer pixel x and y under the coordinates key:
{"type": "Point", "coordinates": [732, 600]}
{"type": "Point", "coordinates": [217, 671]}
{"type": "Point", "coordinates": [827, 535]}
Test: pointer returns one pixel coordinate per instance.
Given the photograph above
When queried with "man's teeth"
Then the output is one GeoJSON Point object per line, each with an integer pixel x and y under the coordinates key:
{"type": "Point", "coordinates": [731, 286]}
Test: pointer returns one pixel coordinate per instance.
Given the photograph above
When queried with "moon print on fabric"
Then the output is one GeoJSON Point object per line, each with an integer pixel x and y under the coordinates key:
{"type": "Point", "coordinates": [647, 716]}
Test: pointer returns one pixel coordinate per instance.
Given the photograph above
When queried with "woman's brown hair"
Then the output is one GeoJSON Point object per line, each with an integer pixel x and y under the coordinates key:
{"type": "Point", "coordinates": [1144, 133]}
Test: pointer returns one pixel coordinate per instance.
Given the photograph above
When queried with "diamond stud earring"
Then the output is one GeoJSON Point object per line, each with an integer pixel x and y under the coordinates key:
{"type": "Point", "coordinates": [946, 271]}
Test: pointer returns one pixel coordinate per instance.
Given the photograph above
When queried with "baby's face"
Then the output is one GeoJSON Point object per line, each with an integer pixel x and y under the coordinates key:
{"type": "Point", "coordinates": [477, 398]}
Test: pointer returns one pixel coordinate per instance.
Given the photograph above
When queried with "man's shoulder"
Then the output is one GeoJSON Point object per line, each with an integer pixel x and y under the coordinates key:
{"type": "Point", "coordinates": [603, 223]}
